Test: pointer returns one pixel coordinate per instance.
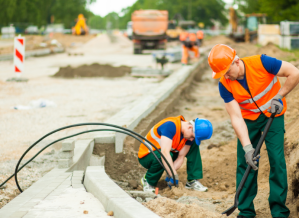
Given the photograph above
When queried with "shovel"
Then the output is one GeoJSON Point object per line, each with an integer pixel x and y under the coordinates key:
{"type": "Point", "coordinates": [230, 210]}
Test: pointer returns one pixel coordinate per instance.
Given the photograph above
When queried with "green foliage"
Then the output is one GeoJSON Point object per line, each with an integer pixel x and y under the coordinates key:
{"type": "Point", "coordinates": [39, 12]}
{"type": "Point", "coordinates": [110, 21]}
{"type": "Point", "coordinates": [276, 10]}
{"type": "Point", "coordinates": [197, 10]}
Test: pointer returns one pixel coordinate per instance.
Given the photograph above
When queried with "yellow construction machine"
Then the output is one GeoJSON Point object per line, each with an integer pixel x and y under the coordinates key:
{"type": "Point", "coordinates": [246, 30]}
{"type": "Point", "coordinates": [80, 28]}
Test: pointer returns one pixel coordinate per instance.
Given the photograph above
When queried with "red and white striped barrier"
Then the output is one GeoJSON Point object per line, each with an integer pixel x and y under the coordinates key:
{"type": "Point", "coordinates": [19, 54]}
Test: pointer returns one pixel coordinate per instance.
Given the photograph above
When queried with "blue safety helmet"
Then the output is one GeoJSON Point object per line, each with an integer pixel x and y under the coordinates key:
{"type": "Point", "coordinates": [203, 129]}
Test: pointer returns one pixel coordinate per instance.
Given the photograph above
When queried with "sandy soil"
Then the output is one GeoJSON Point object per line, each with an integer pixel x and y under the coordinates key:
{"type": "Point", "coordinates": [202, 100]}
{"type": "Point", "coordinates": [93, 70]}
{"type": "Point", "coordinates": [77, 100]}
{"type": "Point", "coordinates": [219, 153]}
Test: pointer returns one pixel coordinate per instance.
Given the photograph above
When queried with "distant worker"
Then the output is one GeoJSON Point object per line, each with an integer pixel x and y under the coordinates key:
{"type": "Point", "coordinates": [251, 91]}
{"type": "Point", "coordinates": [199, 35]}
{"type": "Point", "coordinates": [80, 28]}
{"type": "Point", "coordinates": [174, 137]}
{"type": "Point", "coordinates": [189, 43]}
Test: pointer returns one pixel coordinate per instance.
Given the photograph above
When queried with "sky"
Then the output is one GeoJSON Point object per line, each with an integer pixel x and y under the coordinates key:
{"type": "Point", "coordinates": [104, 7]}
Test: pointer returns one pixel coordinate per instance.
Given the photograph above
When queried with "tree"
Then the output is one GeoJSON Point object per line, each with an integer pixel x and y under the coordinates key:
{"type": "Point", "coordinates": [197, 10]}
{"type": "Point", "coordinates": [276, 10]}
{"type": "Point", "coordinates": [39, 12]}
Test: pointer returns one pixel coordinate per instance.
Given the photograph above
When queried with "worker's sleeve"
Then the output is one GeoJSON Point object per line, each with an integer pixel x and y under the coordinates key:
{"type": "Point", "coordinates": [167, 129]}
{"type": "Point", "coordinates": [272, 65]}
{"type": "Point", "coordinates": [225, 94]}
{"type": "Point", "coordinates": [188, 142]}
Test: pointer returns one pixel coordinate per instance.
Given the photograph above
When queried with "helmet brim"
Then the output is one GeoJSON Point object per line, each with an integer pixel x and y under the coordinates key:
{"type": "Point", "coordinates": [197, 141]}
{"type": "Point", "coordinates": [221, 73]}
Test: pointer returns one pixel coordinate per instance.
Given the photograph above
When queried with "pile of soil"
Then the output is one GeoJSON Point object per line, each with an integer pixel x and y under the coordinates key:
{"type": "Point", "coordinates": [168, 208]}
{"type": "Point", "coordinates": [220, 158]}
{"type": "Point", "coordinates": [93, 70]}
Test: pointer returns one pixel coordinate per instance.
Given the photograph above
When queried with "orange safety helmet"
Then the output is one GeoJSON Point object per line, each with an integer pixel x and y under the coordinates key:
{"type": "Point", "coordinates": [192, 37]}
{"type": "Point", "coordinates": [199, 34]}
{"type": "Point", "coordinates": [220, 58]}
{"type": "Point", "coordinates": [184, 36]}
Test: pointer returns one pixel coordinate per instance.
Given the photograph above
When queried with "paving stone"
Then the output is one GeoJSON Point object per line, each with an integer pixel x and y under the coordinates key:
{"type": "Point", "coordinates": [66, 154]}
{"type": "Point", "coordinates": [18, 214]}
{"type": "Point", "coordinates": [68, 145]}
{"type": "Point", "coordinates": [64, 163]}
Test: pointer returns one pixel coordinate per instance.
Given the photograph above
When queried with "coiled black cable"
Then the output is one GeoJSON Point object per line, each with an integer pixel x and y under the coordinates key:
{"type": "Point", "coordinates": [84, 124]}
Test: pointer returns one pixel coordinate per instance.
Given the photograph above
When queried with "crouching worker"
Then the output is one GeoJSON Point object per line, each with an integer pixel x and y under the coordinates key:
{"type": "Point", "coordinates": [176, 138]}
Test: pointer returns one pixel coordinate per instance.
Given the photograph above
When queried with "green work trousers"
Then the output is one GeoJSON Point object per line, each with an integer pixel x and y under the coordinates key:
{"type": "Point", "coordinates": [278, 172]}
{"type": "Point", "coordinates": [155, 170]}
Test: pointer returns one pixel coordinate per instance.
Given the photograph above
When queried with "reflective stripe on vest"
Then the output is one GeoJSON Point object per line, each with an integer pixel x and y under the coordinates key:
{"type": "Point", "coordinates": [259, 96]}
{"type": "Point", "coordinates": [263, 87]}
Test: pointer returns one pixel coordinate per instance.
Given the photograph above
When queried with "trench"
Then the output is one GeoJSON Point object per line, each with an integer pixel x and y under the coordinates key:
{"type": "Point", "coordinates": [218, 154]}
{"type": "Point", "coordinates": [124, 167]}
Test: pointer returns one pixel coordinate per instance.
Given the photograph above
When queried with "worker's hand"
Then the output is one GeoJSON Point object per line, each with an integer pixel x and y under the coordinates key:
{"type": "Point", "coordinates": [250, 160]}
{"type": "Point", "coordinates": [170, 181]}
{"type": "Point", "coordinates": [276, 103]}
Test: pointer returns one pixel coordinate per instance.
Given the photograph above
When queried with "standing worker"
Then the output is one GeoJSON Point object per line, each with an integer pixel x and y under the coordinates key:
{"type": "Point", "coordinates": [199, 35]}
{"type": "Point", "coordinates": [174, 136]}
{"type": "Point", "coordinates": [251, 91]}
{"type": "Point", "coordinates": [189, 43]}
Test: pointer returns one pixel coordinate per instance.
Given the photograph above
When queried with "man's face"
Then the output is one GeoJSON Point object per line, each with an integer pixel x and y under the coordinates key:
{"type": "Point", "coordinates": [233, 71]}
{"type": "Point", "coordinates": [188, 133]}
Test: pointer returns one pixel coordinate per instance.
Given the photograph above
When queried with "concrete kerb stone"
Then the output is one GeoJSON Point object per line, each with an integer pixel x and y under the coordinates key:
{"type": "Point", "coordinates": [130, 116]}
{"type": "Point", "coordinates": [83, 150]}
{"type": "Point", "coordinates": [112, 196]}
{"type": "Point", "coordinates": [53, 183]}
{"type": "Point", "coordinates": [20, 205]}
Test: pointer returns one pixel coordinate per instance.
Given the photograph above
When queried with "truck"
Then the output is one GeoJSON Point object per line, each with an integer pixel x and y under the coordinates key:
{"type": "Point", "coordinates": [149, 29]}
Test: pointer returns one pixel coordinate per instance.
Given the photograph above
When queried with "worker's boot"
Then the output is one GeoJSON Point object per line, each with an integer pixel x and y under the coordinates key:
{"type": "Point", "coordinates": [196, 185]}
{"type": "Point", "coordinates": [146, 186]}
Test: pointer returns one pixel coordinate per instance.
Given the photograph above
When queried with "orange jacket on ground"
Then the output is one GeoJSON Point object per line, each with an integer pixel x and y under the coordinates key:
{"type": "Point", "coordinates": [263, 87]}
{"type": "Point", "coordinates": [155, 138]}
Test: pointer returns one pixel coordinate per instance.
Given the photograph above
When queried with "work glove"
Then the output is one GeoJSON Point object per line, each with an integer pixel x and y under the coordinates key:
{"type": "Point", "coordinates": [170, 181]}
{"type": "Point", "coordinates": [250, 160]}
{"type": "Point", "coordinates": [276, 103]}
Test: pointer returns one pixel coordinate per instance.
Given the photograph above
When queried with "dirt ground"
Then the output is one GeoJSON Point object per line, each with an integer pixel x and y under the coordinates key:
{"type": "Point", "coordinates": [219, 153]}
{"type": "Point", "coordinates": [77, 100]}
{"type": "Point", "coordinates": [201, 100]}
{"type": "Point", "coordinates": [33, 42]}
{"type": "Point", "coordinates": [93, 70]}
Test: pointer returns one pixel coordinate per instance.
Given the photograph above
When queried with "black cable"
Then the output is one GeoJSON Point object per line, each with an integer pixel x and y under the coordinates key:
{"type": "Point", "coordinates": [83, 124]}
{"type": "Point", "coordinates": [94, 130]}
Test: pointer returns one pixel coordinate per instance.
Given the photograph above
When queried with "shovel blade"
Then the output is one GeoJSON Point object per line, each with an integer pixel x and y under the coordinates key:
{"type": "Point", "coordinates": [230, 210]}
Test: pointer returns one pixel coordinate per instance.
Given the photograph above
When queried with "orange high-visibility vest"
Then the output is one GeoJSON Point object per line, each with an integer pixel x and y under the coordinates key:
{"type": "Point", "coordinates": [263, 86]}
{"type": "Point", "coordinates": [155, 138]}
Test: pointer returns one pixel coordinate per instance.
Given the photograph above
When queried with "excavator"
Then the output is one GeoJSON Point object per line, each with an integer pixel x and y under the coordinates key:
{"type": "Point", "coordinates": [248, 31]}
{"type": "Point", "coordinates": [80, 28]}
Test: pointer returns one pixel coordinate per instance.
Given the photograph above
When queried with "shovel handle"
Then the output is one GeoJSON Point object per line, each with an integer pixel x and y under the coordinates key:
{"type": "Point", "coordinates": [256, 152]}
{"type": "Point", "coordinates": [246, 174]}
